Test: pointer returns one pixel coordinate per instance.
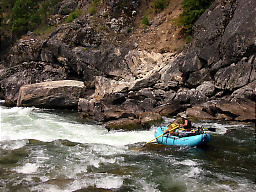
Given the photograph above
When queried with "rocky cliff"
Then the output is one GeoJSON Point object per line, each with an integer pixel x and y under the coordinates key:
{"type": "Point", "coordinates": [134, 77]}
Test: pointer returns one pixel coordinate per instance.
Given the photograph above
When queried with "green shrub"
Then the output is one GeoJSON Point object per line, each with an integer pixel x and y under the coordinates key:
{"type": "Point", "coordinates": [75, 14]}
{"type": "Point", "coordinates": [92, 10]}
{"type": "Point", "coordinates": [160, 5]}
{"type": "Point", "coordinates": [189, 39]}
{"type": "Point", "coordinates": [145, 20]}
{"type": "Point", "coordinates": [25, 16]}
{"type": "Point", "coordinates": [191, 11]}
{"type": "Point", "coordinates": [129, 30]}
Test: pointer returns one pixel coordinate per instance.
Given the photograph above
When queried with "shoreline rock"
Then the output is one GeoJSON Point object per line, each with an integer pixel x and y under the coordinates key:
{"type": "Point", "coordinates": [51, 94]}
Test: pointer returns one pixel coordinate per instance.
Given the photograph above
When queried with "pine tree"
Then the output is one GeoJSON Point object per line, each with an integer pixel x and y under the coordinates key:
{"type": "Point", "coordinates": [25, 16]}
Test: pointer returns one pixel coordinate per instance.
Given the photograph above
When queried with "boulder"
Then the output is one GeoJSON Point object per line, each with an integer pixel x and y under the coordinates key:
{"type": "Point", "coordinates": [123, 124]}
{"type": "Point", "coordinates": [52, 94]}
{"type": "Point", "coordinates": [106, 88]}
{"type": "Point", "coordinates": [168, 109]}
{"type": "Point", "coordinates": [246, 92]}
{"type": "Point", "coordinates": [242, 110]}
{"type": "Point", "coordinates": [148, 118]}
{"type": "Point", "coordinates": [134, 122]}
{"type": "Point", "coordinates": [12, 78]}
{"type": "Point", "coordinates": [197, 112]}
{"type": "Point", "coordinates": [233, 76]}
{"type": "Point", "coordinates": [85, 105]}
{"type": "Point", "coordinates": [148, 81]}
{"type": "Point", "coordinates": [190, 96]}
{"type": "Point", "coordinates": [207, 88]}
{"type": "Point", "coordinates": [65, 7]}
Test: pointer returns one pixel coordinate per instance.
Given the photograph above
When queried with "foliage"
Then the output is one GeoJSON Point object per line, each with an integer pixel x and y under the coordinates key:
{"type": "Point", "coordinates": [92, 9]}
{"type": "Point", "coordinates": [145, 20]}
{"type": "Point", "coordinates": [129, 30]}
{"type": "Point", "coordinates": [21, 16]}
{"type": "Point", "coordinates": [160, 5]}
{"type": "Point", "coordinates": [25, 16]}
{"type": "Point", "coordinates": [45, 29]}
{"type": "Point", "coordinates": [189, 39]}
{"type": "Point", "coordinates": [75, 14]}
{"type": "Point", "coordinates": [191, 11]}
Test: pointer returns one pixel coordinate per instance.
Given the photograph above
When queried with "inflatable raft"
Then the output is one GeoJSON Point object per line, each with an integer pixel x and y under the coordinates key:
{"type": "Point", "coordinates": [194, 140]}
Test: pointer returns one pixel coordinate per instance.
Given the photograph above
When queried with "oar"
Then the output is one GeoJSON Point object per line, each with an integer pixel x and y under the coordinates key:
{"type": "Point", "coordinates": [209, 129]}
{"type": "Point", "coordinates": [155, 138]}
{"type": "Point", "coordinates": [173, 125]}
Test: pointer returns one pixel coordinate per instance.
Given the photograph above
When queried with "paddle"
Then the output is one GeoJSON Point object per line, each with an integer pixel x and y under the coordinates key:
{"type": "Point", "coordinates": [174, 127]}
{"type": "Point", "coordinates": [155, 138]}
{"type": "Point", "coordinates": [209, 129]}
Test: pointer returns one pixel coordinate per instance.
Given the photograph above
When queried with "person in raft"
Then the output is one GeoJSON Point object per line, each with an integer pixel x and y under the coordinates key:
{"type": "Point", "coordinates": [186, 126]}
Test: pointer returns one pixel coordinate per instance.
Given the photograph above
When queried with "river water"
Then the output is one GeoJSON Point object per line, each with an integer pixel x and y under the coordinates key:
{"type": "Point", "coordinates": [48, 150]}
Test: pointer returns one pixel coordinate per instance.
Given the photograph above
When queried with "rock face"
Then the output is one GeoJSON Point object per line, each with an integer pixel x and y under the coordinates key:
{"type": "Point", "coordinates": [52, 94]}
{"type": "Point", "coordinates": [213, 78]}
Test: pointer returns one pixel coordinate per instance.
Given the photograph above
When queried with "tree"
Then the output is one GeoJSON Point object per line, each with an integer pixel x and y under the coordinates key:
{"type": "Point", "coordinates": [25, 16]}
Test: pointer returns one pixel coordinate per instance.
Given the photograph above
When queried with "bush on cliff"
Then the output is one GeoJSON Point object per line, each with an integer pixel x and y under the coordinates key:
{"type": "Point", "coordinates": [191, 11]}
{"type": "Point", "coordinates": [75, 14]}
{"type": "Point", "coordinates": [159, 5]}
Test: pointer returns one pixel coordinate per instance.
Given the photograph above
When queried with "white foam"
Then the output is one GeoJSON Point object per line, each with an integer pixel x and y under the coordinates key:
{"type": "Point", "coordinates": [28, 168]}
{"type": "Point", "coordinates": [187, 162]}
{"type": "Point", "coordinates": [29, 123]}
{"type": "Point", "coordinates": [14, 144]}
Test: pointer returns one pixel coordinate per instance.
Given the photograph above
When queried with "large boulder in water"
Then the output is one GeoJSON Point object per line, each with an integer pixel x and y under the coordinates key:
{"type": "Point", "coordinates": [12, 78]}
{"type": "Point", "coordinates": [51, 94]}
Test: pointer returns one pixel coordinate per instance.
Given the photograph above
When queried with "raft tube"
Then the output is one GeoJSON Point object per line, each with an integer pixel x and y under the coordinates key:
{"type": "Point", "coordinates": [195, 140]}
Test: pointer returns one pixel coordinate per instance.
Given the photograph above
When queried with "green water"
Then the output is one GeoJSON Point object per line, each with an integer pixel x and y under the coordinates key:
{"type": "Point", "coordinates": [44, 150]}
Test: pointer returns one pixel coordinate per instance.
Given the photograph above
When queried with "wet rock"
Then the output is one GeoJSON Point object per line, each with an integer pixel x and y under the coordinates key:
{"type": "Point", "coordinates": [134, 121]}
{"type": "Point", "coordinates": [52, 94]}
{"type": "Point", "coordinates": [225, 117]}
{"type": "Point", "coordinates": [123, 124]}
{"type": "Point", "coordinates": [114, 114]}
{"type": "Point", "coordinates": [148, 118]}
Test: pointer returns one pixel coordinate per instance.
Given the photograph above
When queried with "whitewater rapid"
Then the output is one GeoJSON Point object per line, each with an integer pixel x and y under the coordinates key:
{"type": "Point", "coordinates": [54, 151]}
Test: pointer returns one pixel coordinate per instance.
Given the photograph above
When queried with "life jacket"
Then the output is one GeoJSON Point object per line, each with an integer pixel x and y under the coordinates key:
{"type": "Point", "coordinates": [189, 126]}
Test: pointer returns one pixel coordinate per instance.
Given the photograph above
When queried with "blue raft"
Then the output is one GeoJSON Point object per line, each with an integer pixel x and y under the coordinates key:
{"type": "Point", "coordinates": [195, 140]}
